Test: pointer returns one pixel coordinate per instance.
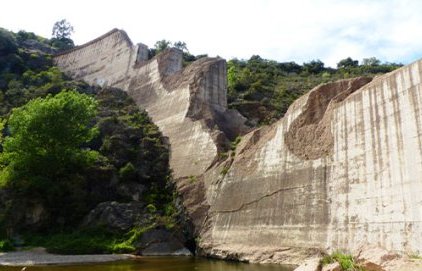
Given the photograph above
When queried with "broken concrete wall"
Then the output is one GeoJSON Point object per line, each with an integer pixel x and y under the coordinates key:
{"type": "Point", "coordinates": [363, 187]}
{"type": "Point", "coordinates": [341, 169]}
{"type": "Point", "coordinates": [180, 101]}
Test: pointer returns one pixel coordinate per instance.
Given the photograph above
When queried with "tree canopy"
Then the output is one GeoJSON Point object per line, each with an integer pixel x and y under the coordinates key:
{"type": "Point", "coordinates": [347, 62]}
{"type": "Point", "coordinates": [62, 30]}
{"type": "Point", "coordinates": [46, 136]}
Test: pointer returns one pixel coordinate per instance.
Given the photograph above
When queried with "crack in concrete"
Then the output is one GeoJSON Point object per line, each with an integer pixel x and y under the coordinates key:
{"type": "Point", "coordinates": [259, 199]}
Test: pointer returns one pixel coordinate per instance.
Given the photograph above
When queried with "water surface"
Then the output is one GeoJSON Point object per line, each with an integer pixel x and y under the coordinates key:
{"type": "Point", "coordinates": [160, 264]}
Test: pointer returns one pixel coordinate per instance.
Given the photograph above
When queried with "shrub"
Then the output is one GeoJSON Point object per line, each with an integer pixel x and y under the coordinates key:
{"type": "Point", "coordinates": [6, 245]}
{"type": "Point", "coordinates": [346, 261]}
{"type": "Point", "coordinates": [127, 172]}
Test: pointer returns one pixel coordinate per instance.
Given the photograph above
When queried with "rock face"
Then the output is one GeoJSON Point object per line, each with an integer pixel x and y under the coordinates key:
{"type": "Point", "coordinates": [184, 103]}
{"type": "Point", "coordinates": [340, 170]}
{"type": "Point", "coordinates": [117, 216]}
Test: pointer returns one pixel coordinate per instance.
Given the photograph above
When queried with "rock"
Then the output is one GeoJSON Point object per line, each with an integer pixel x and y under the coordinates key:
{"type": "Point", "coordinates": [311, 264]}
{"type": "Point", "coordinates": [117, 216]}
{"type": "Point", "coordinates": [161, 242]}
{"type": "Point", "coordinates": [332, 267]}
{"type": "Point", "coordinates": [373, 258]}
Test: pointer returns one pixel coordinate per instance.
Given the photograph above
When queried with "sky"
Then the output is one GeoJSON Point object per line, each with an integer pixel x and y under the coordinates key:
{"type": "Point", "coordinates": [294, 30]}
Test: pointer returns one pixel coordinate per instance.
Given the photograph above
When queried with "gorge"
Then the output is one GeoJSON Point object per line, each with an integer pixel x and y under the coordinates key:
{"type": "Point", "coordinates": [340, 170]}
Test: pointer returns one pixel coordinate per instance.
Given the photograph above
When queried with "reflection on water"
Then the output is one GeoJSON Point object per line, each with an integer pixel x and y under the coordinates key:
{"type": "Point", "coordinates": [160, 264]}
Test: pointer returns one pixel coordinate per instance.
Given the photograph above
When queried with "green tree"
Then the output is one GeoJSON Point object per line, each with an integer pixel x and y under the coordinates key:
{"type": "Point", "coordinates": [62, 29]}
{"type": "Point", "coordinates": [46, 139]}
{"type": "Point", "coordinates": [161, 45]}
{"type": "Point", "coordinates": [8, 43]}
{"type": "Point", "coordinates": [314, 66]}
{"type": "Point", "coordinates": [371, 61]}
{"type": "Point", "coordinates": [347, 63]}
{"type": "Point", "coordinates": [61, 33]}
{"type": "Point", "coordinates": [181, 45]}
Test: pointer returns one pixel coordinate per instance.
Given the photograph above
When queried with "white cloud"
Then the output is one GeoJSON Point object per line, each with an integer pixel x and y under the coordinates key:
{"type": "Point", "coordinates": [299, 30]}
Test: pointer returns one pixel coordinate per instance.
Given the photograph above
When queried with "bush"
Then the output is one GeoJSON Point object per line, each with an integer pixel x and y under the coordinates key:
{"type": "Point", "coordinates": [346, 261]}
{"type": "Point", "coordinates": [6, 245]}
{"type": "Point", "coordinates": [43, 158]}
{"type": "Point", "coordinates": [8, 43]}
{"type": "Point", "coordinates": [127, 173]}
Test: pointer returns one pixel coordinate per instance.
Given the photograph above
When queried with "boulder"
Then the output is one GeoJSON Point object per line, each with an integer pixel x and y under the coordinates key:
{"type": "Point", "coordinates": [332, 267]}
{"type": "Point", "coordinates": [373, 258]}
{"type": "Point", "coordinates": [117, 216]}
{"type": "Point", "coordinates": [311, 264]}
{"type": "Point", "coordinates": [162, 242]}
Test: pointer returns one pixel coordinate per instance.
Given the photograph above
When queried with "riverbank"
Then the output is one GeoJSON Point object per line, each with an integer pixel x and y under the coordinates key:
{"type": "Point", "coordinates": [38, 256]}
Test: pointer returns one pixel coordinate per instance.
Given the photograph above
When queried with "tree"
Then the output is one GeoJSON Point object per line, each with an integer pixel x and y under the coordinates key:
{"type": "Point", "coordinates": [61, 35]}
{"type": "Point", "coordinates": [44, 160]}
{"type": "Point", "coordinates": [62, 29]}
{"type": "Point", "coordinates": [347, 63]}
{"type": "Point", "coordinates": [372, 61]}
{"type": "Point", "coordinates": [314, 66]}
{"type": "Point", "coordinates": [8, 43]}
{"type": "Point", "coordinates": [181, 45]}
{"type": "Point", "coordinates": [161, 45]}
{"type": "Point", "coordinates": [46, 139]}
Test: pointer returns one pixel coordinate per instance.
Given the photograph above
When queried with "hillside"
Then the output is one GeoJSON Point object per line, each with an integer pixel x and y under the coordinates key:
{"type": "Point", "coordinates": [130, 169]}
{"type": "Point", "coordinates": [262, 90]}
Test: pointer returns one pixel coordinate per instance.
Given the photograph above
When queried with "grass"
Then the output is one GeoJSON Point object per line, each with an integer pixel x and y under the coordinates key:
{"type": "Point", "coordinates": [89, 241]}
{"type": "Point", "coordinates": [346, 261]}
{"type": "Point", "coordinates": [415, 257]}
{"type": "Point", "coordinates": [225, 170]}
{"type": "Point", "coordinates": [193, 179]}
{"type": "Point", "coordinates": [234, 143]}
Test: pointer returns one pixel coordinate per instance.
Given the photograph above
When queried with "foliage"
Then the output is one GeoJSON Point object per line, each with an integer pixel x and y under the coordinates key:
{"type": "Point", "coordinates": [8, 43]}
{"type": "Point", "coordinates": [132, 144]}
{"type": "Point", "coordinates": [262, 90]}
{"type": "Point", "coordinates": [61, 33]}
{"type": "Point", "coordinates": [62, 29]}
{"type": "Point", "coordinates": [6, 245]}
{"type": "Point", "coordinates": [236, 142]}
{"type": "Point", "coordinates": [92, 241]}
{"type": "Point", "coordinates": [48, 159]}
{"type": "Point", "coordinates": [347, 62]}
{"type": "Point", "coordinates": [314, 66]}
{"type": "Point", "coordinates": [346, 261]}
{"type": "Point", "coordinates": [371, 61]}
{"type": "Point", "coordinates": [193, 179]}
{"type": "Point", "coordinates": [42, 158]}
{"type": "Point", "coordinates": [161, 45]}
{"type": "Point", "coordinates": [46, 135]}
{"type": "Point", "coordinates": [127, 172]}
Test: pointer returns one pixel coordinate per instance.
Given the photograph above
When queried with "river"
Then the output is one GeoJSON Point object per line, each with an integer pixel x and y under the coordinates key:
{"type": "Point", "coordinates": [160, 264]}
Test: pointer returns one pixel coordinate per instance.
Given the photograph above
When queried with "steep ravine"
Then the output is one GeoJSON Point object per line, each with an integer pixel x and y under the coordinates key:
{"type": "Point", "coordinates": [341, 169]}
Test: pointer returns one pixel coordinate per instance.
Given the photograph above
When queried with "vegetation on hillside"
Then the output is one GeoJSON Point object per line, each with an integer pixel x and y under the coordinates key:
{"type": "Point", "coordinates": [43, 159]}
{"type": "Point", "coordinates": [162, 45]}
{"type": "Point", "coordinates": [262, 90]}
{"type": "Point", "coordinates": [66, 146]}
{"type": "Point", "coordinates": [345, 261]}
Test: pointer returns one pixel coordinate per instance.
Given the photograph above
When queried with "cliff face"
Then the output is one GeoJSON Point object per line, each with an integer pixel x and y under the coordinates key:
{"type": "Point", "coordinates": [341, 169]}
{"type": "Point", "coordinates": [182, 102]}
